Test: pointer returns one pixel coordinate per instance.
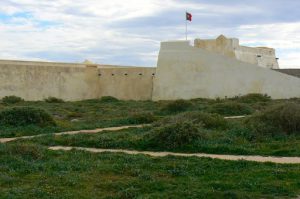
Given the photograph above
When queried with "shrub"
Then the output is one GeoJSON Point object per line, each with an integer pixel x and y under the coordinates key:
{"type": "Point", "coordinates": [12, 99]}
{"type": "Point", "coordinates": [27, 151]}
{"type": "Point", "coordinates": [177, 106]}
{"type": "Point", "coordinates": [231, 108]}
{"type": "Point", "coordinates": [53, 100]}
{"type": "Point", "coordinates": [108, 99]}
{"type": "Point", "coordinates": [23, 116]}
{"type": "Point", "coordinates": [208, 120]}
{"type": "Point", "coordinates": [141, 118]}
{"type": "Point", "coordinates": [282, 118]}
{"type": "Point", "coordinates": [175, 135]}
{"type": "Point", "coordinates": [253, 98]}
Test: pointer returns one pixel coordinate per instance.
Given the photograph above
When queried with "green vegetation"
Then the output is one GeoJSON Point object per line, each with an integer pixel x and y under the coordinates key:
{"type": "Point", "coordinates": [12, 99]}
{"type": "Point", "coordinates": [108, 99]}
{"type": "Point", "coordinates": [231, 108]}
{"type": "Point", "coordinates": [278, 119]}
{"type": "Point", "coordinates": [24, 116]}
{"type": "Point", "coordinates": [177, 106]}
{"type": "Point", "coordinates": [53, 100]}
{"type": "Point", "coordinates": [175, 135]}
{"type": "Point", "coordinates": [253, 98]}
{"type": "Point", "coordinates": [208, 120]}
{"type": "Point", "coordinates": [142, 118]}
{"type": "Point", "coordinates": [31, 171]}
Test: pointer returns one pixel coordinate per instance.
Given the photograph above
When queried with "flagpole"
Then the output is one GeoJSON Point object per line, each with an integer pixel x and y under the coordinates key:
{"type": "Point", "coordinates": [185, 26]}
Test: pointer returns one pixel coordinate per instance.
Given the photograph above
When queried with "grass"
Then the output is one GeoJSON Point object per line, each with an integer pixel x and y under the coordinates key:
{"type": "Point", "coordinates": [31, 171]}
{"type": "Point", "coordinates": [107, 112]}
{"type": "Point", "coordinates": [234, 141]}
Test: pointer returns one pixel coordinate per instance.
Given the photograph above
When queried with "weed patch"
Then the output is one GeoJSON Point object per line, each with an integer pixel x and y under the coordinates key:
{"type": "Point", "coordinates": [231, 109]}
{"type": "Point", "coordinates": [12, 99]}
{"type": "Point", "coordinates": [24, 116]}
{"type": "Point", "coordinates": [177, 106]}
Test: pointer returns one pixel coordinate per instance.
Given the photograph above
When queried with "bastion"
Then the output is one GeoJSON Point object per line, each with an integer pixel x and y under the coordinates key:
{"type": "Point", "coordinates": [208, 69]}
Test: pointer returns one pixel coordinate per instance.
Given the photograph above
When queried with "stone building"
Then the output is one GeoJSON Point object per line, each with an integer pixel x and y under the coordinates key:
{"type": "Point", "coordinates": [209, 69]}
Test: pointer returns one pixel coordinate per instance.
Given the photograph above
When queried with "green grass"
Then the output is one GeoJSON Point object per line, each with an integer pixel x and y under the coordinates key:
{"type": "Point", "coordinates": [31, 171]}
{"type": "Point", "coordinates": [106, 112]}
{"type": "Point", "coordinates": [211, 141]}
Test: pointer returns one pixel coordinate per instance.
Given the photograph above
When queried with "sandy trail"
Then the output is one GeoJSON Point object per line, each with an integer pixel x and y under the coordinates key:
{"type": "Point", "coordinates": [4, 140]}
{"type": "Point", "coordinates": [279, 160]}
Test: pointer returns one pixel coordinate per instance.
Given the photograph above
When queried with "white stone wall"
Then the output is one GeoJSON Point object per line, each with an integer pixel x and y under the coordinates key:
{"type": "Point", "coordinates": [186, 72]}
{"type": "Point", "coordinates": [261, 56]}
{"type": "Point", "coordinates": [39, 80]}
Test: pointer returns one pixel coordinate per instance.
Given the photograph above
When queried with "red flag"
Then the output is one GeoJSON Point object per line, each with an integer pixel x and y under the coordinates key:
{"type": "Point", "coordinates": [188, 16]}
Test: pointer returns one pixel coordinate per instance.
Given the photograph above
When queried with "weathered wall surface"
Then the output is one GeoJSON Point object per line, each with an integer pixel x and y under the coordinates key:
{"type": "Point", "coordinates": [39, 80]}
{"type": "Point", "coordinates": [126, 83]}
{"type": "Point", "coordinates": [36, 81]}
{"type": "Point", "coordinates": [188, 72]}
{"type": "Point", "coordinates": [261, 56]}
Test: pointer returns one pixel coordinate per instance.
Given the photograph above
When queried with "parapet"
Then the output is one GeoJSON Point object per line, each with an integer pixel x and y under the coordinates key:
{"type": "Point", "coordinates": [230, 47]}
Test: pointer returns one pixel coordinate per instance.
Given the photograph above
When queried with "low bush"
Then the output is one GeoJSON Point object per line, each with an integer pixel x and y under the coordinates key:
{"type": "Point", "coordinates": [208, 120]}
{"type": "Point", "coordinates": [141, 118]}
{"type": "Point", "coordinates": [231, 108]}
{"type": "Point", "coordinates": [175, 135]}
{"type": "Point", "coordinates": [23, 116]}
{"type": "Point", "coordinates": [108, 99]}
{"type": "Point", "coordinates": [53, 100]}
{"type": "Point", "coordinates": [253, 98]}
{"type": "Point", "coordinates": [177, 106]}
{"type": "Point", "coordinates": [282, 118]}
{"type": "Point", "coordinates": [12, 99]}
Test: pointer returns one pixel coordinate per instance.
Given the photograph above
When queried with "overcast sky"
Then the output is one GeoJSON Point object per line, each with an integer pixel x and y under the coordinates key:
{"type": "Point", "coordinates": [128, 32]}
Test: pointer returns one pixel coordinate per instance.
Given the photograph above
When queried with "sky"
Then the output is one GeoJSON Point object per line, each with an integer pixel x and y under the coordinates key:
{"type": "Point", "coordinates": [129, 32]}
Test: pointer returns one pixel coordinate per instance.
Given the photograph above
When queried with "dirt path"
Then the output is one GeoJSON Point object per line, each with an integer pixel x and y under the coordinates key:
{"type": "Point", "coordinates": [4, 140]}
{"type": "Point", "coordinates": [280, 160]}
{"type": "Point", "coordinates": [236, 117]}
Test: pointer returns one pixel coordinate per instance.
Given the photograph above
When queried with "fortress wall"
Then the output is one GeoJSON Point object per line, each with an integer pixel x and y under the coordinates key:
{"type": "Point", "coordinates": [261, 56]}
{"type": "Point", "coordinates": [39, 80]}
{"type": "Point", "coordinates": [189, 72]}
{"type": "Point", "coordinates": [128, 83]}
{"type": "Point", "coordinates": [264, 57]}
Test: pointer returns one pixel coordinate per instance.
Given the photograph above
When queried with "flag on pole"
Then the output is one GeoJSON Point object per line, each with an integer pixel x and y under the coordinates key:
{"type": "Point", "coordinates": [188, 16]}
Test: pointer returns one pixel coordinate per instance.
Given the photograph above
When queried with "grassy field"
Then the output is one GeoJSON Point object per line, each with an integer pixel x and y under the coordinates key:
{"type": "Point", "coordinates": [29, 170]}
{"type": "Point", "coordinates": [215, 142]}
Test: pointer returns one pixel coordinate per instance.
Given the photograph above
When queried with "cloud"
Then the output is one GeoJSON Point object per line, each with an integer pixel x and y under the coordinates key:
{"type": "Point", "coordinates": [129, 32]}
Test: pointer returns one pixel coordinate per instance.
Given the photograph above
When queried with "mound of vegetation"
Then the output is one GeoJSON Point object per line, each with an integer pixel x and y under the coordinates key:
{"type": "Point", "coordinates": [177, 106]}
{"type": "Point", "coordinates": [282, 118]}
{"type": "Point", "coordinates": [173, 136]}
{"type": "Point", "coordinates": [141, 118]}
{"type": "Point", "coordinates": [253, 98]}
{"type": "Point", "coordinates": [208, 120]}
{"type": "Point", "coordinates": [108, 99]}
{"type": "Point", "coordinates": [231, 108]}
{"type": "Point", "coordinates": [53, 100]}
{"type": "Point", "coordinates": [12, 99]}
{"type": "Point", "coordinates": [24, 116]}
